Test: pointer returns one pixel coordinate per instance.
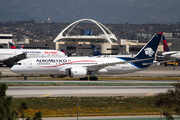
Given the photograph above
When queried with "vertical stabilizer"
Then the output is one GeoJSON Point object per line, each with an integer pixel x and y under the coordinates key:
{"type": "Point", "coordinates": [21, 46]}
{"type": "Point", "coordinates": [149, 50]}
{"type": "Point", "coordinates": [165, 45]}
{"type": "Point", "coordinates": [96, 52]}
{"type": "Point", "coordinates": [12, 46]}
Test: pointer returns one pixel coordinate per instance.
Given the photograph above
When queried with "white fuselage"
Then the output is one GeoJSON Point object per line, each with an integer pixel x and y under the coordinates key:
{"type": "Point", "coordinates": [49, 66]}
{"type": "Point", "coordinates": [30, 53]}
{"type": "Point", "coordinates": [113, 56]}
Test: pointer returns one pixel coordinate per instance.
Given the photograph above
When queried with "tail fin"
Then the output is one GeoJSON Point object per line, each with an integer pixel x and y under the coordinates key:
{"type": "Point", "coordinates": [21, 46]}
{"type": "Point", "coordinates": [165, 45]}
{"type": "Point", "coordinates": [12, 46]}
{"type": "Point", "coordinates": [63, 51]}
{"type": "Point", "coordinates": [149, 50]}
{"type": "Point", "coordinates": [96, 52]}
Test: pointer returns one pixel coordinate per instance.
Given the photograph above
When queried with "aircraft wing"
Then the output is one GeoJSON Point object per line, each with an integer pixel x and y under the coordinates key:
{"type": "Point", "coordinates": [100, 66]}
{"type": "Point", "coordinates": [168, 54]}
{"type": "Point", "coordinates": [157, 62]}
{"type": "Point", "coordinates": [10, 61]}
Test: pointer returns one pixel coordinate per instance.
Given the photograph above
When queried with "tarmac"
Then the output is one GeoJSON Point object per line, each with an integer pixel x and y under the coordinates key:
{"type": "Point", "coordinates": [156, 71]}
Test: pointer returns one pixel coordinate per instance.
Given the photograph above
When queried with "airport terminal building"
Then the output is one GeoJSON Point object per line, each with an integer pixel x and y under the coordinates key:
{"type": "Point", "coordinates": [5, 39]}
{"type": "Point", "coordinates": [78, 45]}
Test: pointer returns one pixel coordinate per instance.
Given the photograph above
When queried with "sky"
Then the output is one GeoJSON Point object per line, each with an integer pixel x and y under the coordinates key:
{"type": "Point", "coordinates": [104, 11]}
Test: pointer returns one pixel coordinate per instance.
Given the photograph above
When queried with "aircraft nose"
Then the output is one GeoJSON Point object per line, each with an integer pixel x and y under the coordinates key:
{"type": "Point", "coordinates": [12, 69]}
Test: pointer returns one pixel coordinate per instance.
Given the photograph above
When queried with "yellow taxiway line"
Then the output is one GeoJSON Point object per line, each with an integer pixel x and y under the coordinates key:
{"type": "Point", "coordinates": [45, 95]}
{"type": "Point", "coordinates": [149, 94]}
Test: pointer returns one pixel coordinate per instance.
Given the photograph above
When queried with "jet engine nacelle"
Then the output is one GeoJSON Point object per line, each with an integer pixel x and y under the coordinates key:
{"type": "Point", "coordinates": [77, 72]}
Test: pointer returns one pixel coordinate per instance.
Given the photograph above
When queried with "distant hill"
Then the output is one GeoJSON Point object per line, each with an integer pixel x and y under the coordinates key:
{"type": "Point", "coordinates": [104, 11]}
{"type": "Point", "coordinates": [13, 16]}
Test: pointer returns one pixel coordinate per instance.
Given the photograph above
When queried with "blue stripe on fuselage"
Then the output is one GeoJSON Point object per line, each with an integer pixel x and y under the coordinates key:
{"type": "Point", "coordinates": [138, 64]}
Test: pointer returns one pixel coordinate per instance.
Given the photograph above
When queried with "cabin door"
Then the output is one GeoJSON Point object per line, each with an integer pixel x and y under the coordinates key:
{"type": "Point", "coordinates": [30, 65]}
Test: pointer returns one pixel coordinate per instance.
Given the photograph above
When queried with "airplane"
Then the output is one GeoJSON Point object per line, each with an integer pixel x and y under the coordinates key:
{"type": "Point", "coordinates": [171, 55]}
{"type": "Point", "coordinates": [165, 45]}
{"type": "Point", "coordinates": [97, 53]}
{"type": "Point", "coordinates": [14, 47]}
{"type": "Point", "coordinates": [11, 56]}
{"type": "Point", "coordinates": [63, 51]}
{"type": "Point", "coordinates": [80, 67]}
{"type": "Point", "coordinates": [21, 46]}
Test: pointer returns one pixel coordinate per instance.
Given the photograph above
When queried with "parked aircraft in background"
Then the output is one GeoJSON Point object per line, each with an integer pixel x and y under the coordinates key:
{"type": "Point", "coordinates": [80, 67]}
{"type": "Point", "coordinates": [171, 55]}
{"type": "Point", "coordinates": [97, 53]}
{"type": "Point", "coordinates": [14, 47]}
{"type": "Point", "coordinates": [165, 45]}
{"type": "Point", "coordinates": [21, 46]}
{"type": "Point", "coordinates": [11, 56]}
{"type": "Point", "coordinates": [63, 51]}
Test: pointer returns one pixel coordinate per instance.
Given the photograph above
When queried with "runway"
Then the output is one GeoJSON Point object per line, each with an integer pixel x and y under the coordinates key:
{"type": "Point", "coordinates": [84, 91]}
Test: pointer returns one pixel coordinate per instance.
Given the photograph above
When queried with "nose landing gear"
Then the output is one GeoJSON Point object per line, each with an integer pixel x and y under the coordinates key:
{"type": "Point", "coordinates": [25, 77]}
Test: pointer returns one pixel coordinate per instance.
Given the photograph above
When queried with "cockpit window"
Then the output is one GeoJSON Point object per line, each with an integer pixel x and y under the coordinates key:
{"type": "Point", "coordinates": [17, 63]}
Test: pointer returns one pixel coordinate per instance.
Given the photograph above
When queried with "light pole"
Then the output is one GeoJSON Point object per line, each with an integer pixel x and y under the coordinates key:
{"type": "Point", "coordinates": [77, 109]}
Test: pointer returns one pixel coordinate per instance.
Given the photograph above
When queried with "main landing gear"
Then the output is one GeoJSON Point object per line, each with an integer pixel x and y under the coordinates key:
{"type": "Point", "coordinates": [90, 78]}
{"type": "Point", "coordinates": [85, 78]}
{"type": "Point", "coordinates": [93, 78]}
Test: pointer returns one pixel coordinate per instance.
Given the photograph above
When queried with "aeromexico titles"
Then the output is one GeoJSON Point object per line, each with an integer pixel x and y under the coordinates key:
{"type": "Point", "coordinates": [81, 67]}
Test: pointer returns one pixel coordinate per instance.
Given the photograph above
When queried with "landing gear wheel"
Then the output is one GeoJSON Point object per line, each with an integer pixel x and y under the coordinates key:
{"type": "Point", "coordinates": [93, 78]}
{"type": "Point", "coordinates": [25, 77]}
{"type": "Point", "coordinates": [85, 78]}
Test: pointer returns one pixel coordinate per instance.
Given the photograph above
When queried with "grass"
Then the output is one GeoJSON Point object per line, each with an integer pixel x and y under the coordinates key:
{"type": "Point", "coordinates": [88, 106]}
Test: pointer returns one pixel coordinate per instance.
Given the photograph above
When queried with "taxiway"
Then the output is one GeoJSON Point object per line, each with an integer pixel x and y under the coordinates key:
{"type": "Point", "coordinates": [84, 91]}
